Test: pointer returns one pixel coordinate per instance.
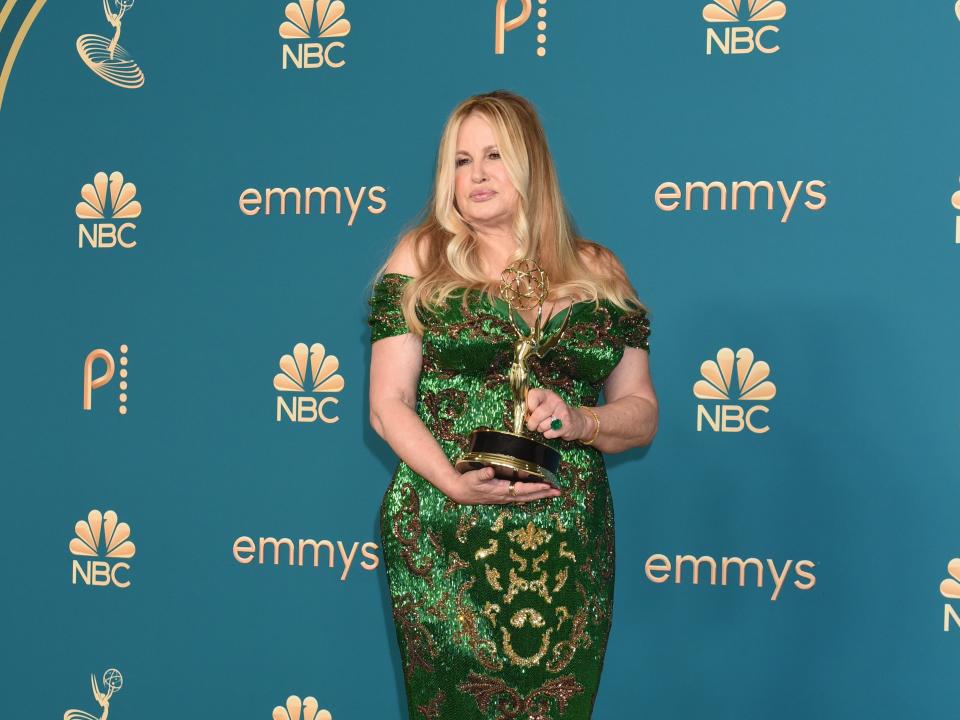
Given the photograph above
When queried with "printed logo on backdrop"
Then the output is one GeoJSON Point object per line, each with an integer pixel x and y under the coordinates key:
{"type": "Point", "coordinates": [741, 195]}
{"type": "Point", "coordinates": [955, 201]}
{"type": "Point", "coordinates": [296, 709]}
{"type": "Point", "coordinates": [105, 56]}
{"type": "Point", "coordinates": [311, 371]}
{"type": "Point", "coordinates": [91, 383]}
{"type": "Point", "coordinates": [737, 26]}
{"type": "Point", "coordinates": [112, 682]}
{"type": "Point", "coordinates": [503, 25]}
{"type": "Point", "coordinates": [751, 386]}
{"type": "Point", "coordinates": [275, 201]}
{"type": "Point", "coordinates": [310, 25]}
{"type": "Point", "coordinates": [106, 545]}
{"type": "Point", "coordinates": [950, 589]}
{"type": "Point", "coordinates": [110, 205]}
{"type": "Point", "coordinates": [286, 551]}
{"type": "Point", "coordinates": [736, 571]}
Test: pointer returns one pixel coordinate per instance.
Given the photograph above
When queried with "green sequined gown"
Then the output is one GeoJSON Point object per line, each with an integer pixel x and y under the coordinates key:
{"type": "Point", "coordinates": [502, 611]}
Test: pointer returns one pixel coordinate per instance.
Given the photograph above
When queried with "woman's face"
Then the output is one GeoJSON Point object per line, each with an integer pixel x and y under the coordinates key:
{"type": "Point", "coordinates": [485, 196]}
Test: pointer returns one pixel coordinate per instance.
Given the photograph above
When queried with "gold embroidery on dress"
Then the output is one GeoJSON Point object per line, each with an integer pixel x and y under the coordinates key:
{"type": "Point", "coordinates": [463, 526]}
{"type": "Point", "coordinates": [493, 577]}
{"type": "Point", "coordinates": [484, 650]}
{"type": "Point", "coordinates": [431, 711]}
{"type": "Point", "coordinates": [530, 537]}
{"type": "Point", "coordinates": [410, 540]}
{"type": "Point", "coordinates": [531, 660]}
{"type": "Point", "coordinates": [420, 643]}
{"type": "Point", "coordinates": [534, 706]}
{"type": "Point", "coordinates": [564, 650]}
{"type": "Point", "coordinates": [455, 564]}
{"type": "Point", "coordinates": [491, 549]}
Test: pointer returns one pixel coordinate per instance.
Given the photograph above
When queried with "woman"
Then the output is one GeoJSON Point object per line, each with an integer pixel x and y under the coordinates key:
{"type": "Point", "coordinates": [501, 591]}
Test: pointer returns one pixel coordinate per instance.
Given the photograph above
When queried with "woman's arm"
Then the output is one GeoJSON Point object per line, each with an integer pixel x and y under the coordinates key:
{"type": "Point", "coordinates": [630, 414]}
{"type": "Point", "coordinates": [627, 419]}
{"type": "Point", "coordinates": [394, 373]}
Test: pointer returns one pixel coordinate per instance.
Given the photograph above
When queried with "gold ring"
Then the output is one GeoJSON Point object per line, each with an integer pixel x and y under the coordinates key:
{"type": "Point", "coordinates": [512, 489]}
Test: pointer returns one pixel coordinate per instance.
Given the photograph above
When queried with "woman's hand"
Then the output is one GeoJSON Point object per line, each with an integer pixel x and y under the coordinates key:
{"type": "Point", "coordinates": [480, 487]}
{"type": "Point", "coordinates": [543, 405]}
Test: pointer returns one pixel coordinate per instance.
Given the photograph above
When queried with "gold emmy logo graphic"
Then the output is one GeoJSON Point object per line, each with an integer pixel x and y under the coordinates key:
{"type": "Point", "coordinates": [112, 681]}
{"type": "Point", "coordinates": [717, 384]}
{"type": "Point", "coordinates": [742, 39]}
{"type": "Point", "coordinates": [104, 199]}
{"type": "Point", "coordinates": [91, 383]}
{"type": "Point", "coordinates": [300, 26]}
{"type": "Point", "coordinates": [295, 709]}
{"type": "Point", "coordinates": [660, 568]}
{"type": "Point", "coordinates": [955, 201]}
{"type": "Point", "coordinates": [319, 375]}
{"type": "Point", "coordinates": [100, 535]}
{"type": "Point", "coordinates": [502, 26]}
{"type": "Point", "coordinates": [105, 57]}
{"type": "Point", "coordinates": [740, 195]}
{"type": "Point", "coordinates": [950, 589]}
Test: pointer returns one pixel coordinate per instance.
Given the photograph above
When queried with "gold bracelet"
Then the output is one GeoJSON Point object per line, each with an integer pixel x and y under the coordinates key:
{"type": "Point", "coordinates": [595, 432]}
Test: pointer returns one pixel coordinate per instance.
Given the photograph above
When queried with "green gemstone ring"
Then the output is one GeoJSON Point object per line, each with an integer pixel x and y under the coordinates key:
{"type": "Point", "coordinates": [556, 424]}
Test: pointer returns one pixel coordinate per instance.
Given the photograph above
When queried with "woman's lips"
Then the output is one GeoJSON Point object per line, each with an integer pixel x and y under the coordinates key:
{"type": "Point", "coordinates": [481, 196]}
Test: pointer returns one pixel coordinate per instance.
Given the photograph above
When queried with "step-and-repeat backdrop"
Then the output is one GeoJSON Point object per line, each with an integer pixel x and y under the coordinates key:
{"type": "Point", "coordinates": [195, 197]}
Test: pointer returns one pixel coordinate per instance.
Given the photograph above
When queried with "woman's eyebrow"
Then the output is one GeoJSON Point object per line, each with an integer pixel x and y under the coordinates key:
{"type": "Point", "coordinates": [488, 147]}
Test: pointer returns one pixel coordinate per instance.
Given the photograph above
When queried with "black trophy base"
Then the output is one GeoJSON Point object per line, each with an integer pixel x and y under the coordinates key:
{"type": "Point", "coordinates": [512, 456]}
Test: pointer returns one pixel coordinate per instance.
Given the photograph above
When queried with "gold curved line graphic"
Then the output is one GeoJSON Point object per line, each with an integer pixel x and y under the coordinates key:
{"type": "Point", "coordinates": [5, 13]}
{"type": "Point", "coordinates": [17, 42]}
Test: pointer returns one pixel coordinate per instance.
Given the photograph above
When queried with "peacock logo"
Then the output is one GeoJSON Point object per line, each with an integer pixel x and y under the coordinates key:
{"type": "Point", "coordinates": [105, 200]}
{"type": "Point", "coordinates": [955, 198]}
{"type": "Point", "coordinates": [307, 22]}
{"type": "Point", "coordinates": [744, 11]}
{"type": "Point", "coordinates": [297, 709]}
{"type": "Point", "coordinates": [717, 384]}
{"type": "Point", "coordinates": [101, 536]}
{"type": "Point", "coordinates": [738, 37]}
{"type": "Point", "coordinates": [308, 370]}
{"type": "Point", "coordinates": [950, 589]}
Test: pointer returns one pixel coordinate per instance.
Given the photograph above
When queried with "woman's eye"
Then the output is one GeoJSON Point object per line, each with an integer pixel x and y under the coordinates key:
{"type": "Point", "coordinates": [494, 154]}
{"type": "Point", "coordinates": [461, 161]}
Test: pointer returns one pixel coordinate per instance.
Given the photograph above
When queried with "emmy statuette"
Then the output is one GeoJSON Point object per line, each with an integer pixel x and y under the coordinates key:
{"type": "Point", "coordinates": [515, 455]}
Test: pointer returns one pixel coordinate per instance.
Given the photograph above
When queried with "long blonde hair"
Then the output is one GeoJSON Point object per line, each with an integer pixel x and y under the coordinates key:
{"type": "Point", "coordinates": [446, 248]}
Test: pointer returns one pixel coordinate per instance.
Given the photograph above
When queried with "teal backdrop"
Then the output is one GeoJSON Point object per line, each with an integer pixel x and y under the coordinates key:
{"type": "Point", "coordinates": [851, 304]}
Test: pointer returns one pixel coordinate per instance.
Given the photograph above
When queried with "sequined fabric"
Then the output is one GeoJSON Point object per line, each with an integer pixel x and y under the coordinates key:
{"type": "Point", "coordinates": [501, 611]}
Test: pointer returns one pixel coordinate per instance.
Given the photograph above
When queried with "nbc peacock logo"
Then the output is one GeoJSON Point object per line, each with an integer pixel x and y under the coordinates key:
{"type": "Point", "coordinates": [310, 28]}
{"type": "Point", "coordinates": [950, 589]}
{"type": "Point", "coordinates": [717, 384]}
{"type": "Point", "coordinates": [297, 709]}
{"type": "Point", "coordinates": [106, 545]}
{"type": "Point", "coordinates": [955, 198]}
{"type": "Point", "coordinates": [736, 17]}
{"type": "Point", "coordinates": [310, 370]}
{"type": "Point", "coordinates": [102, 203]}
{"type": "Point", "coordinates": [105, 56]}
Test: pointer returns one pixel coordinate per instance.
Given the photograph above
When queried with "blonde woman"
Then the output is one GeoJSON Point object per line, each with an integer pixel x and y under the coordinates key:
{"type": "Point", "coordinates": [502, 591]}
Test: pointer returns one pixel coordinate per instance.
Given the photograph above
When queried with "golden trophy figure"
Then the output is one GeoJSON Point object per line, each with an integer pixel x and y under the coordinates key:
{"type": "Point", "coordinates": [515, 455]}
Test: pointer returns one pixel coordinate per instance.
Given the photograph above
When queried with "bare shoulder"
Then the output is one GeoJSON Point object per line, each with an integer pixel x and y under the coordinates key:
{"type": "Point", "coordinates": [403, 259]}
{"type": "Point", "coordinates": [601, 260]}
